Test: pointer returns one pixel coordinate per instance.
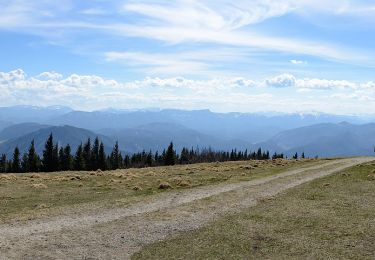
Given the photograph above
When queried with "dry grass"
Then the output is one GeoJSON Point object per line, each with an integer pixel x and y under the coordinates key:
{"type": "Point", "coordinates": [39, 186]}
{"type": "Point", "coordinates": [329, 218]}
{"type": "Point", "coordinates": [20, 193]}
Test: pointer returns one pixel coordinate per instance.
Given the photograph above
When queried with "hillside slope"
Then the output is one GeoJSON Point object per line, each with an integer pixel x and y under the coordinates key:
{"type": "Point", "coordinates": [62, 135]}
{"type": "Point", "coordinates": [326, 140]}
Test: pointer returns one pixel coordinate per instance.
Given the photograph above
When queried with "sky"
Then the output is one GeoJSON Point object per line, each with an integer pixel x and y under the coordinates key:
{"type": "Point", "coordinates": [244, 56]}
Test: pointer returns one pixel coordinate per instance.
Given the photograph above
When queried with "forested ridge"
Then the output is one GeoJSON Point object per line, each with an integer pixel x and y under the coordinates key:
{"type": "Point", "coordinates": [91, 156]}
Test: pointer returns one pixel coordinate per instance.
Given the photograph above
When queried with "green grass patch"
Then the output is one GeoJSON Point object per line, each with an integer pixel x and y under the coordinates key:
{"type": "Point", "coordinates": [27, 196]}
{"type": "Point", "coordinates": [329, 218]}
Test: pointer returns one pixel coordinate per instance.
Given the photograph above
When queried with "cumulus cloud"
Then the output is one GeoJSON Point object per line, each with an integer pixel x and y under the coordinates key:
{"type": "Point", "coordinates": [326, 84]}
{"type": "Point", "coordinates": [297, 62]}
{"type": "Point", "coordinates": [281, 81]}
{"type": "Point", "coordinates": [50, 75]}
{"type": "Point", "coordinates": [12, 76]}
{"type": "Point", "coordinates": [285, 91]}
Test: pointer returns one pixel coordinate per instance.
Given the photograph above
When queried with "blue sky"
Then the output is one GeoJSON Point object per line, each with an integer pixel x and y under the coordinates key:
{"type": "Point", "coordinates": [249, 56]}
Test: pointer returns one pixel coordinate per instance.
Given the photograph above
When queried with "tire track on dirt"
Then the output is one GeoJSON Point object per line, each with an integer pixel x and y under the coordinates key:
{"type": "Point", "coordinates": [98, 236]}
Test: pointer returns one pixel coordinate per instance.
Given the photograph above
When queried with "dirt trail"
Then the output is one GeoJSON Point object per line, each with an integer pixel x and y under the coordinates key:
{"type": "Point", "coordinates": [118, 233]}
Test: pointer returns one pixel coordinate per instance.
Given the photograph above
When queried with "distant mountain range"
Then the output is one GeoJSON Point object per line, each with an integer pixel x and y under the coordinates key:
{"type": "Point", "coordinates": [247, 127]}
{"type": "Point", "coordinates": [157, 136]}
{"type": "Point", "coordinates": [62, 135]}
{"type": "Point", "coordinates": [319, 134]}
{"type": "Point", "coordinates": [325, 140]}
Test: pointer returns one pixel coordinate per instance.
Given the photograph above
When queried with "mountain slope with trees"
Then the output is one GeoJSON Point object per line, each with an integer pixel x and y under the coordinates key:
{"type": "Point", "coordinates": [63, 135]}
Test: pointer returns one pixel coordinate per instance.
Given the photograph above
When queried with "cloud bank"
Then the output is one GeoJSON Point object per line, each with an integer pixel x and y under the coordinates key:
{"type": "Point", "coordinates": [283, 93]}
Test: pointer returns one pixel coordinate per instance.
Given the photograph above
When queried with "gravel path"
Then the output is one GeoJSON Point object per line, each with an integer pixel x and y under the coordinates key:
{"type": "Point", "coordinates": [118, 233]}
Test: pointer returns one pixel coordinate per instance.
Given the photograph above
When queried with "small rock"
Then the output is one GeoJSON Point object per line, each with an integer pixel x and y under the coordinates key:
{"type": "Point", "coordinates": [39, 186]}
{"type": "Point", "coordinates": [164, 186]}
{"type": "Point", "coordinates": [137, 188]}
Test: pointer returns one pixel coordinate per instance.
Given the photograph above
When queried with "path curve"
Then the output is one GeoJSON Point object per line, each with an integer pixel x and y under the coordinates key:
{"type": "Point", "coordinates": [118, 233]}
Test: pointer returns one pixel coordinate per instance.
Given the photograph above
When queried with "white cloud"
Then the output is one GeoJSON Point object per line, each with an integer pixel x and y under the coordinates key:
{"type": "Point", "coordinates": [215, 15]}
{"type": "Point", "coordinates": [238, 38]}
{"type": "Point", "coordinates": [326, 84]}
{"type": "Point", "coordinates": [285, 93]}
{"type": "Point", "coordinates": [50, 75]}
{"type": "Point", "coordinates": [197, 62]}
{"type": "Point", "coordinates": [165, 64]}
{"type": "Point", "coordinates": [297, 62]}
{"type": "Point", "coordinates": [221, 22]}
{"type": "Point", "coordinates": [12, 76]}
{"type": "Point", "coordinates": [281, 81]}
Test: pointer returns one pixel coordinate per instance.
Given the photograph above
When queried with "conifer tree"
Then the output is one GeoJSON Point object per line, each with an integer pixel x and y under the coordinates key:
{"type": "Point", "coordinates": [170, 155]}
{"type": "Point", "coordinates": [127, 161]}
{"type": "Point", "coordinates": [48, 155]}
{"type": "Point", "coordinates": [184, 156]}
{"type": "Point", "coordinates": [55, 158]}
{"type": "Point", "coordinates": [101, 158]}
{"type": "Point", "coordinates": [16, 162]}
{"type": "Point", "coordinates": [303, 155]}
{"type": "Point", "coordinates": [95, 154]}
{"type": "Point", "coordinates": [33, 159]}
{"type": "Point", "coordinates": [25, 163]}
{"type": "Point", "coordinates": [87, 155]}
{"type": "Point", "coordinates": [9, 166]}
{"type": "Point", "coordinates": [3, 163]}
{"type": "Point", "coordinates": [61, 159]}
{"type": "Point", "coordinates": [149, 159]}
{"type": "Point", "coordinates": [68, 158]}
{"type": "Point", "coordinates": [115, 159]}
{"type": "Point", "coordinates": [79, 160]}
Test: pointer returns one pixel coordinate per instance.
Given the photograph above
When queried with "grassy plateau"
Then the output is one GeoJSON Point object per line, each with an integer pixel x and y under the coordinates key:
{"type": "Point", "coordinates": [329, 218]}
{"type": "Point", "coordinates": [28, 196]}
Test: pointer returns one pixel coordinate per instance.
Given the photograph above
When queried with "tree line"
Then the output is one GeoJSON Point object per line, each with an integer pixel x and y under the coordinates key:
{"type": "Point", "coordinates": [91, 156]}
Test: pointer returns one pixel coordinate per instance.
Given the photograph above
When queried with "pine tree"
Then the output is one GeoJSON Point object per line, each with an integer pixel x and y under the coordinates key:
{"type": "Point", "coordinates": [101, 158]}
{"type": "Point", "coordinates": [68, 158]}
{"type": "Point", "coordinates": [48, 155]}
{"type": "Point", "coordinates": [184, 159]}
{"type": "Point", "coordinates": [149, 159]}
{"type": "Point", "coordinates": [115, 158]}
{"type": "Point", "coordinates": [95, 154]}
{"type": "Point", "coordinates": [170, 155]}
{"type": "Point", "coordinates": [61, 159]}
{"type": "Point", "coordinates": [25, 163]}
{"type": "Point", "coordinates": [120, 160]}
{"type": "Point", "coordinates": [303, 155]}
{"type": "Point", "coordinates": [33, 159]}
{"type": "Point", "coordinates": [87, 155]}
{"type": "Point", "coordinates": [3, 163]}
{"type": "Point", "coordinates": [79, 160]}
{"type": "Point", "coordinates": [55, 158]}
{"type": "Point", "coordinates": [16, 162]}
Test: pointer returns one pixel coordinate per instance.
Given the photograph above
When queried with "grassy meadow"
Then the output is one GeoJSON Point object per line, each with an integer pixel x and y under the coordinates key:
{"type": "Point", "coordinates": [27, 196]}
{"type": "Point", "coordinates": [329, 218]}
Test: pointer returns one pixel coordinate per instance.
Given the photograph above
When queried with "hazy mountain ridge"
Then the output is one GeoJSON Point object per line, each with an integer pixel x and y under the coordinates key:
{"type": "Point", "coordinates": [19, 130]}
{"type": "Point", "coordinates": [156, 136]}
{"type": "Point", "coordinates": [326, 140]}
{"type": "Point", "coordinates": [63, 135]}
{"type": "Point", "coordinates": [249, 127]}
{"type": "Point", "coordinates": [137, 130]}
